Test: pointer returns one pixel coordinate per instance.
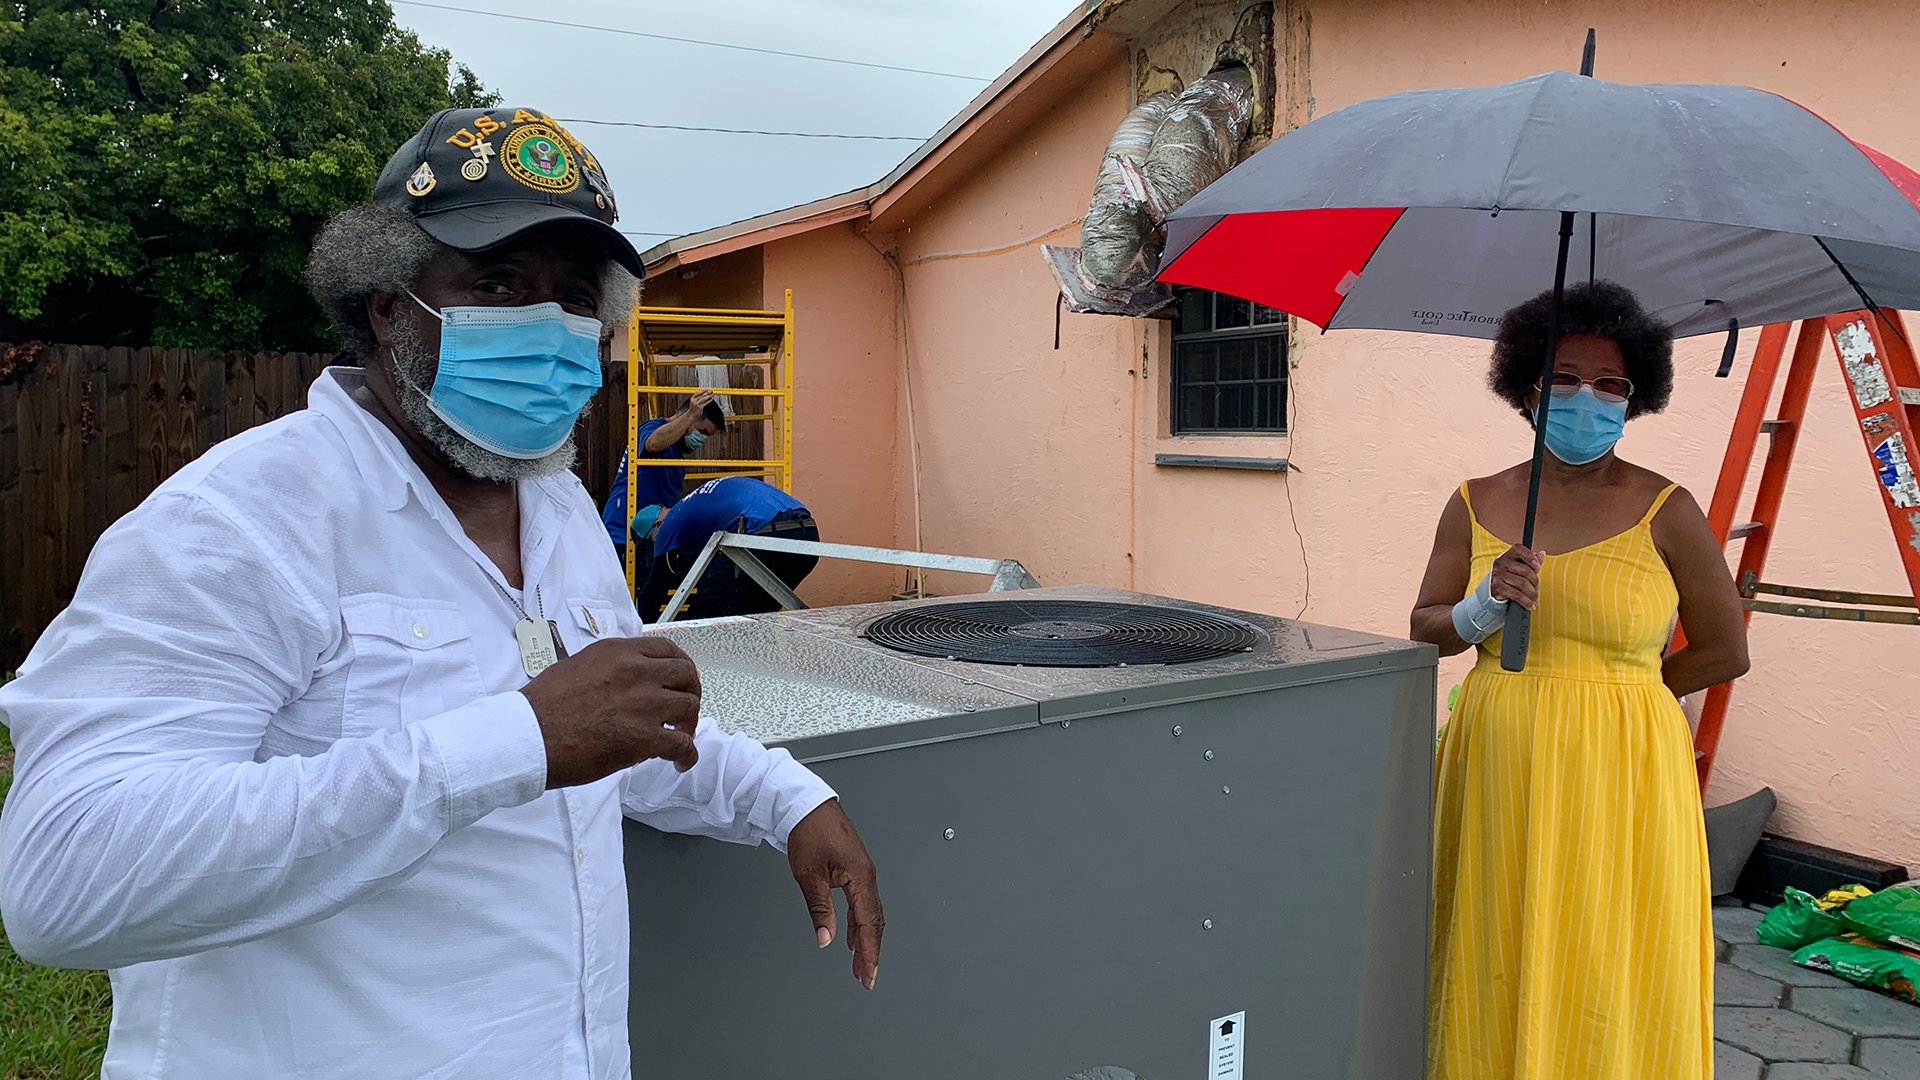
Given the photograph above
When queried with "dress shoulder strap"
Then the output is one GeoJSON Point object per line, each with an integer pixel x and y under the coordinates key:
{"type": "Point", "coordinates": [1659, 501]}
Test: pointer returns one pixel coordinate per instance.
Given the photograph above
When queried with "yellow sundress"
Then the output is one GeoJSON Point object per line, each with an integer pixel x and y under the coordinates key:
{"type": "Point", "coordinates": [1572, 928]}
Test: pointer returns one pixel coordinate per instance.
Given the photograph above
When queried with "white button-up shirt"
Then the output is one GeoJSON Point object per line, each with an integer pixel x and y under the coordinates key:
{"type": "Point", "coordinates": [274, 770]}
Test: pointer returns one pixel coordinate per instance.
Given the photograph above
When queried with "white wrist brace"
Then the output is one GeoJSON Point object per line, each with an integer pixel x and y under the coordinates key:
{"type": "Point", "coordinates": [1479, 615]}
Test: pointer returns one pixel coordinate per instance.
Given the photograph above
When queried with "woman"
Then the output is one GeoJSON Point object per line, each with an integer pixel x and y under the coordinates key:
{"type": "Point", "coordinates": [1572, 933]}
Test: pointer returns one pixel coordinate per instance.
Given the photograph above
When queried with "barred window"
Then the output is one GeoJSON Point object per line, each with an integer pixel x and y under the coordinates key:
{"type": "Point", "coordinates": [1229, 366]}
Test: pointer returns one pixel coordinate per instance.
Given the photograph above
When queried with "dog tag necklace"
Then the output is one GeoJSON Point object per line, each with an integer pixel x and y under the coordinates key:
{"type": "Point", "coordinates": [540, 644]}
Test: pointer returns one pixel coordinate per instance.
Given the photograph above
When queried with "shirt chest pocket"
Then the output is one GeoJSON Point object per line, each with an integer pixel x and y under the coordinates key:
{"type": "Point", "coordinates": [590, 618]}
{"type": "Point", "coordinates": [412, 659]}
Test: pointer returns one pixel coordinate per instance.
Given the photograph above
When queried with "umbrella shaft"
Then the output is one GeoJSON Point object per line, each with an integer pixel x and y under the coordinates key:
{"type": "Point", "coordinates": [1546, 374]}
{"type": "Point", "coordinates": [1519, 629]}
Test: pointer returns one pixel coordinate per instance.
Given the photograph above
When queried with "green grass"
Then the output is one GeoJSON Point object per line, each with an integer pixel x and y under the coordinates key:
{"type": "Point", "coordinates": [55, 1025]}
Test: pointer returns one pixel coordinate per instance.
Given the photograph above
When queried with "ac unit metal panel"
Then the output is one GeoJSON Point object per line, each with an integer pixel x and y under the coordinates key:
{"type": "Point", "coordinates": [1109, 888]}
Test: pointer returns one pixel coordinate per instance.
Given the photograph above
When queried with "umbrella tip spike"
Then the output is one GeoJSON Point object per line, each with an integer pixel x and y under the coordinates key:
{"type": "Point", "coordinates": [1586, 55]}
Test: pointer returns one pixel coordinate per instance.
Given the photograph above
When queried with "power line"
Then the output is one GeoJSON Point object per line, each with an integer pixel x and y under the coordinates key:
{"type": "Point", "coordinates": [695, 41]}
{"type": "Point", "coordinates": [743, 131]}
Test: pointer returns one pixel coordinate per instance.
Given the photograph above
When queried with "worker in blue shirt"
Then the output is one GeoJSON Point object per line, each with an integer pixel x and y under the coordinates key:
{"type": "Point", "coordinates": [670, 437]}
{"type": "Point", "coordinates": [737, 504]}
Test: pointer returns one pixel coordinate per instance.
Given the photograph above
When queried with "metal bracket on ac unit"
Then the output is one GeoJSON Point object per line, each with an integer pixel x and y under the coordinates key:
{"type": "Point", "coordinates": [1007, 574]}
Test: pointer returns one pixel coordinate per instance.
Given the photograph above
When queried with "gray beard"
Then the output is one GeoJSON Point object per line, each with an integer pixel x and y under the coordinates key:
{"type": "Point", "coordinates": [417, 368]}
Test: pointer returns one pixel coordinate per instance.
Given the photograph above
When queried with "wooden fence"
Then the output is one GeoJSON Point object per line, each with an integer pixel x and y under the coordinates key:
{"type": "Point", "coordinates": [87, 432]}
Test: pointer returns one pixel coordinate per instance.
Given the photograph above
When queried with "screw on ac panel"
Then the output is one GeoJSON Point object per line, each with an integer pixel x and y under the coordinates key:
{"type": "Point", "coordinates": [1209, 755]}
{"type": "Point", "coordinates": [1226, 791]}
{"type": "Point", "coordinates": [1064, 724]}
{"type": "Point", "coordinates": [948, 834]}
{"type": "Point", "coordinates": [1176, 731]}
{"type": "Point", "coordinates": [1206, 924]}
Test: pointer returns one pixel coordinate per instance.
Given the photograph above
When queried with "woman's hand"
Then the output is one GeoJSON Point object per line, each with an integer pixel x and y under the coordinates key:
{"type": "Point", "coordinates": [1516, 576]}
{"type": "Point", "coordinates": [1711, 612]}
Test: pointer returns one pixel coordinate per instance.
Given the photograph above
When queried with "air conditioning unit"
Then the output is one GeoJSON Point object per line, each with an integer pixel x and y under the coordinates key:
{"type": "Point", "coordinates": [1118, 836]}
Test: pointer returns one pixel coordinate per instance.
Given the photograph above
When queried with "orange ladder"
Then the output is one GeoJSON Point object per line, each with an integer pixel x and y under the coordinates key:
{"type": "Point", "coordinates": [1877, 361]}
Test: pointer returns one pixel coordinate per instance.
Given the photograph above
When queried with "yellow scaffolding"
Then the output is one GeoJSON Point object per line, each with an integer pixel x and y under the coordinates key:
{"type": "Point", "coordinates": [659, 337]}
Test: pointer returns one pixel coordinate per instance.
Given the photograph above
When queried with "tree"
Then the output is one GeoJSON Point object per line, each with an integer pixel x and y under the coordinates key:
{"type": "Point", "coordinates": [164, 164]}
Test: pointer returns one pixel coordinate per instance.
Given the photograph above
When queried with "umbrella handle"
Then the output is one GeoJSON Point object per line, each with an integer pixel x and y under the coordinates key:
{"type": "Point", "coordinates": [1515, 635]}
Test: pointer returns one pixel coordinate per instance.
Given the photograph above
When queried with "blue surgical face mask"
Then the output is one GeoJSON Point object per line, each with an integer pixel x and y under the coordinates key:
{"type": "Point", "coordinates": [1581, 427]}
{"type": "Point", "coordinates": [694, 440]}
{"type": "Point", "coordinates": [513, 379]}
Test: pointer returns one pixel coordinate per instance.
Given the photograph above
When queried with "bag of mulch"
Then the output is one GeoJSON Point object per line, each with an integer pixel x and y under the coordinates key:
{"type": "Point", "coordinates": [1890, 917]}
{"type": "Point", "coordinates": [1799, 919]}
{"type": "Point", "coordinates": [1855, 959]}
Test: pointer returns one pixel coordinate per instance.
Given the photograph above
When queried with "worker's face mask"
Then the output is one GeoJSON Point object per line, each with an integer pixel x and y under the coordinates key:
{"type": "Point", "coordinates": [514, 379]}
{"type": "Point", "coordinates": [1581, 427]}
{"type": "Point", "coordinates": [694, 440]}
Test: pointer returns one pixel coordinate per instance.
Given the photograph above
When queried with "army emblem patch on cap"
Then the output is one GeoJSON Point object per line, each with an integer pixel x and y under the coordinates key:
{"type": "Point", "coordinates": [422, 180]}
{"type": "Point", "coordinates": [535, 155]}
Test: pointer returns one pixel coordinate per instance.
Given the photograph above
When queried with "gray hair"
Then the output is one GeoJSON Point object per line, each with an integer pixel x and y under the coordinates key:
{"type": "Point", "coordinates": [368, 249]}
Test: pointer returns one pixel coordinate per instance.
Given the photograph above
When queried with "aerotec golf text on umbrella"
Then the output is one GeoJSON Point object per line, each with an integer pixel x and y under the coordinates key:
{"type": "Point", "coordinates": [1437, 210]}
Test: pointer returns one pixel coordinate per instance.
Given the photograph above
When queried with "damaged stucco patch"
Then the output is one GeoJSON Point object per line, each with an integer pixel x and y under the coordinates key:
{"type": "Point", "coordinates": [1864, 371]}
{"type": "Point", "coordinates": [1195, 38]}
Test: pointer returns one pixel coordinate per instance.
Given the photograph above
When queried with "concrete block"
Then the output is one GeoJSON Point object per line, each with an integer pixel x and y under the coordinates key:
{"type": "Point", "coordinates": [1890, 1059]}
{"type": "Point", "coordinates": [1802, 1070]}
{"type": "Point", "coordinates": [1730, 1063]}
{"type": "Point", "coordinates": [1860, 1012]}
{"type": "Point", "coordinates": [1734, 986]}
{"type": "Point", "coordinates": [1779, 1035]}
{"type": "Point", "coordinates": [1735, 924]}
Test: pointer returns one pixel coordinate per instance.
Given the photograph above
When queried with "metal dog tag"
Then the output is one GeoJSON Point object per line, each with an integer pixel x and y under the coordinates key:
{"type": "Point", "coordinates": [540, 646]}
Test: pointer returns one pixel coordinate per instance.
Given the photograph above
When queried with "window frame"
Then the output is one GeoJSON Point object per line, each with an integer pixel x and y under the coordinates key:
{"type": "Point", "coordinates": [1178, 385]}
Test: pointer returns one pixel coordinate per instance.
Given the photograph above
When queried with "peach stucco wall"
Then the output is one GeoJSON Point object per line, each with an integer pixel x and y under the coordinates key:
{"type": "Point", "coordinates": [845, 388]}
{"type": "Point", "coordinates": [1047, 455]}
{"type": "Point", "coordinates": [1830, 716]}
{"type": "Point", "coordinates": [845, 399]}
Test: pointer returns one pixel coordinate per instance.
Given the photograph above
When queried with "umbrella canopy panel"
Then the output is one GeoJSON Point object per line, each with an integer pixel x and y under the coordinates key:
{"type": "Point", "coordinates": [1435, 211]}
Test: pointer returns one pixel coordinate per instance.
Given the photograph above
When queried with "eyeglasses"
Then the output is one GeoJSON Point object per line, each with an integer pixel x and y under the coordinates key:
{"type": "Point", "coordinates": [1607, 387]}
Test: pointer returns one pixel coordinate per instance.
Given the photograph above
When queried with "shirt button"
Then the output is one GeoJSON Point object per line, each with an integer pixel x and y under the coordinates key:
{"type": "Point", "coordinates": [580, 855]}
{"type": "Point", "coordinates": [420, 630]}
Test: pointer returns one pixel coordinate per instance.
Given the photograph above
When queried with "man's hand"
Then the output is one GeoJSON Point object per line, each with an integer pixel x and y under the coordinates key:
{"type": "Point", "coordinates": [615, 703]}
{"type": "Point", "coordinates": [700, 401]}
{"type": "Point", "coordinates": [826, 854]}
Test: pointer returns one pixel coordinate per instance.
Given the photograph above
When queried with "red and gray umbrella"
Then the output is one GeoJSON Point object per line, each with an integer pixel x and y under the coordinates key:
{"type": "Point", "coordinates": [1436, 210]}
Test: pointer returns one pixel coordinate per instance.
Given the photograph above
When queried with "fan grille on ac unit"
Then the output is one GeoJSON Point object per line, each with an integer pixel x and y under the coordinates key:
{"type": "Point", "coordinates": [1061, 633]}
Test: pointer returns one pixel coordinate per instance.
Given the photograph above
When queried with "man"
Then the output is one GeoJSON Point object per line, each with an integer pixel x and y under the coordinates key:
{"type": "Point", "coordinates": [738, 504]}
{"type": "Point", "coordinates": [327, 758]}
{"type": "Point", "coordinates": [663, 437]}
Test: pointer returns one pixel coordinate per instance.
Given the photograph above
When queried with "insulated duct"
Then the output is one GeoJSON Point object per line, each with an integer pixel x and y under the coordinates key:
{"type": "Point", "coordinates": [1112, 234]}
{"type": "Point", "coordinates": [1164, 152]}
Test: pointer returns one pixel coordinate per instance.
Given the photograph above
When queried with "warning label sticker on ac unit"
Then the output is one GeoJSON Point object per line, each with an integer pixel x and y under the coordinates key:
{"type": "Point", "coordinates": [1226, 1048]}
{"type": "Point", "coordinates": [696, 624]}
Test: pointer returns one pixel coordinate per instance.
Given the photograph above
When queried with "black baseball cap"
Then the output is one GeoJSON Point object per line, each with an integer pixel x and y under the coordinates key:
{"type": "Point", "coordinates": [476, 178]}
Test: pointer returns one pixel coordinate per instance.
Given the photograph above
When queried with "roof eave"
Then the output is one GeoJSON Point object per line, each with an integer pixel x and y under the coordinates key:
{"type": "Point", "coordinates": [861, 202]}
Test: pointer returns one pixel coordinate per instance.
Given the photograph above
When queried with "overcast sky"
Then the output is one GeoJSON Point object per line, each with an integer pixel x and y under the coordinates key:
{"type": "Point", "coordinates": [675, 182]}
